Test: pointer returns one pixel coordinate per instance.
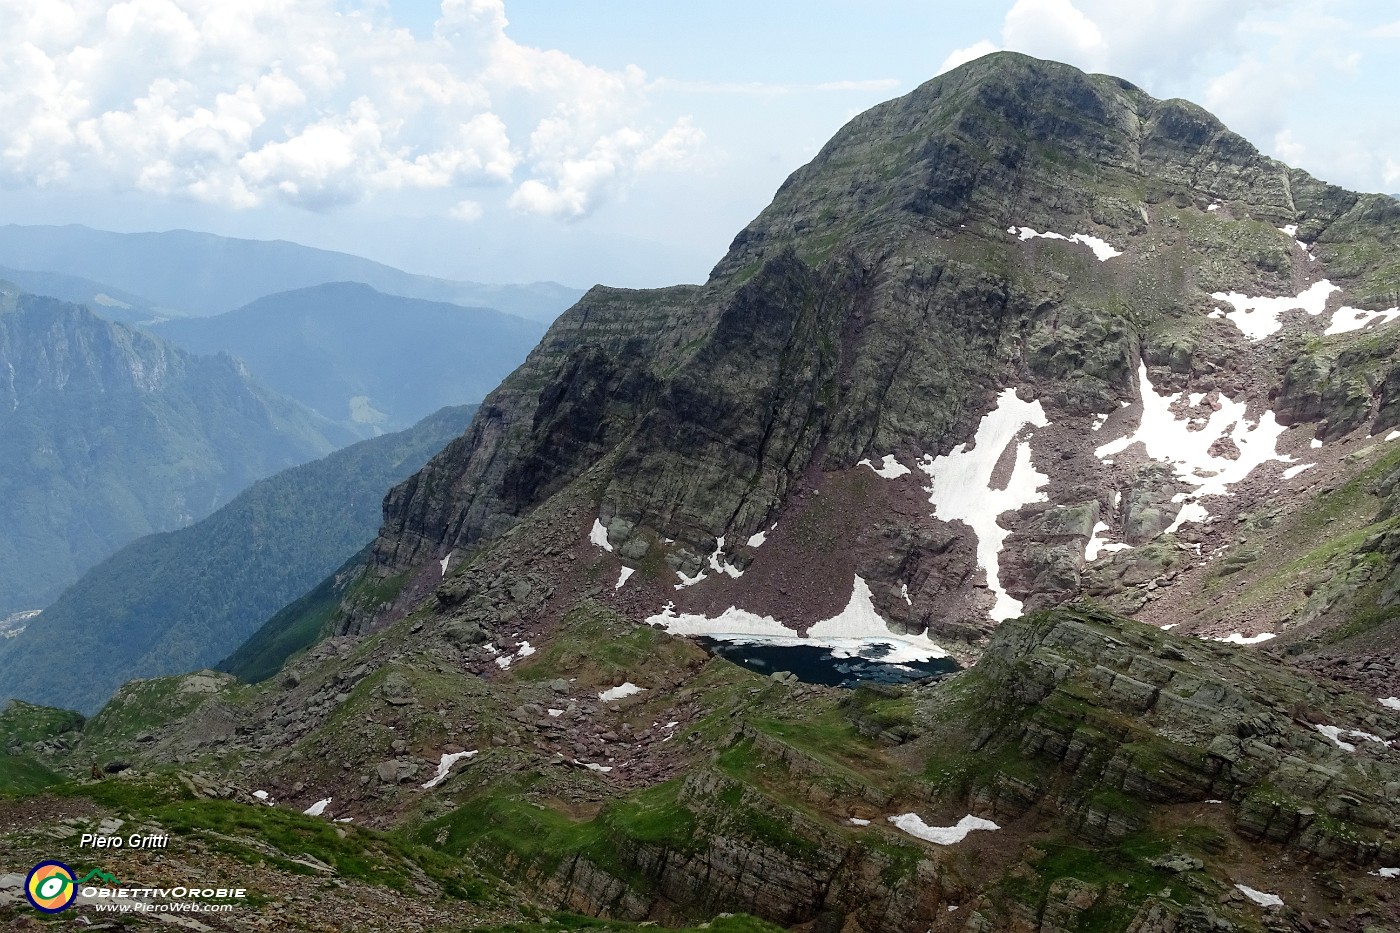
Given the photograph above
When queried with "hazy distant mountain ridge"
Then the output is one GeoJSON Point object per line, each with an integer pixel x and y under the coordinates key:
{"type": "Point", "coordinates": [108, 433]}
{"type": "Point", "coordinates": [357, 355]}
{"type": "Point", "coordinates": [184, 599]}
{"type": "Point", "coordinates": [203, 274]}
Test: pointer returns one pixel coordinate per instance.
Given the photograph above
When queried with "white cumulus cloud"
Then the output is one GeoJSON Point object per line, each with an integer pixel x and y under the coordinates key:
{"type": "Point", "coordinates": [313, 105]}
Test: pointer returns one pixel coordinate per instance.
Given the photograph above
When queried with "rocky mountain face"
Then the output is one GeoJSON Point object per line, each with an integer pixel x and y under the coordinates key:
{"type": "Point", "coordinates": [109, 434]}
{"type": "Point", "coordinates": [1026, 367]}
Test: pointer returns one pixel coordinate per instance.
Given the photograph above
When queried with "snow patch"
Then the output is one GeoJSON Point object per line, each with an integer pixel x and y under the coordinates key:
{"type": "Point", "coordinates": [891, 469]}
{"type": "Point", "coordinates": [555, 713]}
{"type": "Point", "coordinates": [1386, 873]}
{"type": "Point", "coordinates": [264, 797]}
{"type": "Point", "coordinates": [941, 835]}
{"type": "Point", "coordinates": [1099, 421]}
{"type": "Point", "coordinates": [318, 808]}
{"type": "Point", "coordinates": [857, 821]}
{"type": "Point", "coordinates": [1257, 318]}
{"type": "Point", "coordinates": [1235, 638]}
{"type": "Point", "coordinates": [444, 766]}
{"type": "Point", "coordinates": [1346, 319]}
{"type": "Point", "coordinates": [523, 650]}
{"type": "Point", "coordinates": [1314, 443]}
{"type": "Point", "coordinates": [1335, 733]}
{"type": "Point", "coordinates": [1259, 897]}
{"type": "Point", "coordinates": [443, 564]}
{"type": "Point", "coordinates": [856, 631]}
{"type": "Point", "coordinates": [1390, 703]}
{"type": "Point", "coordinates": [960, 486]}
{"type": "Point", "coordinates": [1392, 435]}
{"type": "Point", "coordinates": [1100, 545]}
{"type": "Point", "coordinates": [1213, 207]}
{"type": "Point", "coordinates": [689, 581]}
{"type": "Point", "coordinates": [602, 769]}
{"type": "Point", "coordinates": [625, 689]}
{"type": "Point", "coordinates": [1171, 440]}
{"type": "Point", "coordinates": [719, 565]}
{"type": "Point", "coordinates": [599, 535]}
{"type": "Point", "coordinates": [1295, 470]}
{"type": "Point", "coordinates": [622, 577]}
{"type": "Point", "coordinates": [1102, 251]}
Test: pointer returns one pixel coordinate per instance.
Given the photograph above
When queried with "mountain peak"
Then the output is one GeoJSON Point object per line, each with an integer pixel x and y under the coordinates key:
{"type": "Point", "coordinates": [1004, 139]}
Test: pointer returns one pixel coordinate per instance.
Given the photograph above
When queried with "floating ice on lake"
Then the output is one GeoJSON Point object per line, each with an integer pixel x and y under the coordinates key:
{"type": "Point", "coordinates": [857, 630]}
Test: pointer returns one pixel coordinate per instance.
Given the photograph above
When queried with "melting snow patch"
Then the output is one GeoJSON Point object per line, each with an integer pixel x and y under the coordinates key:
{"type": "Point", "coordinates": [904, 592]}
{"type": "Point", "coordinates": [1257, 318]}
{"type": "Point", "coordinates": [1213, 207]}
{"type": "Point", "coordinates": [1392, 435]}
{"type": "Point", "coordinates": [891, 468]}
{"type": "Point", "coordinates": [1391, 703]}
{"type": "Point", "coordinates": [444, 766]}
{"type": "Point", "coordinates": [1171, 440]}
{"type": "Point", "coordinates": [1387, 873]}
{"type": "Point", "coordinates": [689, 581]}
{"type": "Point", "coordinates": [1290, 229]}
{"type": "Point", "coordinates": [857, 821]}
{"type": "Point", "coordinates": [757, 538]}
{"type": "Point", "coordinates": [856, 631]}
{"type": "Point", "coordinates": [523, 650]}
{"type": "Point", "coordinates": [263, 796]}
{"type": "Point", "coordinates": [443, 564]}
{"type": "Point", "coordinates": [555, 713]}
{"type": "Point", "coordinates": [1335, 733]}
{"type": "Point", "coordinates": [941, 835]}
{"type": "Point", "coordinates": [1314, 443]}
{"type": "Point", "coordinates": [1235, 638]}
{"type": "Point", "coordinates": [1098, 545]}
{"type": "Point", "coordinates": [960, 486]}
{"type": "Point", "coordinates": [599, 535]}
{"type": "Point", "coordinates": [317, 808]}
{"type": "Point", "coordinates": [1345, 319]}
{"type": "Point", "coordinates": [604, 769]}
{"type": "Point", "coordinates": [621, 690]}
{"type": "Point", "coordinates": [622, 577]}
{"type": "Point", "coordinates": [1295, 470]}
{"type": "Point", "coordinates": [719, 565]}
{"type": "Point", "coordinates": [1259, 897]}
{"type": "Point", "coordinates": [1102, 251]}
{"type": "Point", "coordinates": [1098, 422]}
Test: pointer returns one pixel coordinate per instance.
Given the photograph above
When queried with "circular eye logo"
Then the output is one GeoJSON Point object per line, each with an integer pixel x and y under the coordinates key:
{"type": "Point", "coordinates": [50, 887]}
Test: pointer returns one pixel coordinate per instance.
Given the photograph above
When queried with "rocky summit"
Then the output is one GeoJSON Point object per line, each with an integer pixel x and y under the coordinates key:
{"type": "Point", "coordinates": [1027, 373]}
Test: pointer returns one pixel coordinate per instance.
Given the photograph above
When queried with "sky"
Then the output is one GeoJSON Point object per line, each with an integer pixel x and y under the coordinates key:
{"type": "Point", "coordinates": [583, 141]}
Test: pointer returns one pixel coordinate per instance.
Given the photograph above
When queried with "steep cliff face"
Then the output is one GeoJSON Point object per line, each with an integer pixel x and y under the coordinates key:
{"type": "Point", "coordinates": [1014, 226]}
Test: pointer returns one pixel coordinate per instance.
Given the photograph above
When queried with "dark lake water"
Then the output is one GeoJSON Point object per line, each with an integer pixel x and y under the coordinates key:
{"type": "Point", "coordinates": [818, 665]}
